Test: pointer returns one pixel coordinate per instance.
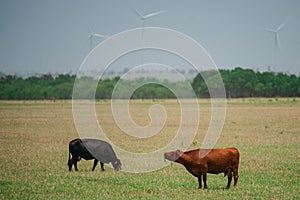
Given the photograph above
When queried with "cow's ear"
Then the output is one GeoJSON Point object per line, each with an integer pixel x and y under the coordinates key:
{"type": "Point", "coordinates": [178, 152]}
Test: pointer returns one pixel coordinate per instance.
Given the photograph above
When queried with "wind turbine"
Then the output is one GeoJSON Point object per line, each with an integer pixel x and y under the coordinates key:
{"type": "Point", "coordinates": [275, 31]}
{"type": "Point", "coordinates": [277, 38]}
{"type": "Point", "coordinates": [93, 35]}
{"type": "Point", "coordinates": [145, 17]}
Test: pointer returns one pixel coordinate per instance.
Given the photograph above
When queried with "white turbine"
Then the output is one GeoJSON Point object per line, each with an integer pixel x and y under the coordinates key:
{"type": "Point", "coordinates": [275, 31]}
{"type": "Point", "coordinates": [277, 38]}
{"type": "Point", "coordinates": [93, 35]}
{"type": "Point", "coordinates": [144, 17]}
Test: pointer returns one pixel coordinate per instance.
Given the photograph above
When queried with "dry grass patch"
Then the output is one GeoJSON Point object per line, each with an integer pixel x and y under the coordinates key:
{"type": "Point", "coordinates": [34, 152]}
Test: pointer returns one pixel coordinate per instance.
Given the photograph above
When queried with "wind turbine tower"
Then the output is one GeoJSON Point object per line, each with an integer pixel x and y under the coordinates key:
{"type": "Point", "coordinates": [276, 38]}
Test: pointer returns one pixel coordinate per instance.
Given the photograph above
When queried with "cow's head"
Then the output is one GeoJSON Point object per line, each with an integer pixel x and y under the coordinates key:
{"type": "Point", "coordinates": [173, 155]}
{"type": "Point", "coordinates": [117, 165]}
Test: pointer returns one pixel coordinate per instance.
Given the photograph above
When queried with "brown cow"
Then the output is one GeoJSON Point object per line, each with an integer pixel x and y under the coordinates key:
{"type": "Point", "coordinates": [199, 162]}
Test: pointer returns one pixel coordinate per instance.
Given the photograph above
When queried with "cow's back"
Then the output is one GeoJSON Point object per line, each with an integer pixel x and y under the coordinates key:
{"type": "Point", "coordinates": [78, 149]}
{"type": "Point", "coordinates": [101, 150]}
{"type": "Point", "coordinates": [219, 160]}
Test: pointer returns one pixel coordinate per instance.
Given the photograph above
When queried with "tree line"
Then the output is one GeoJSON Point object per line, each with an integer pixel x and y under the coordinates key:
{"type": "Point", "coordinates": [238, 83]}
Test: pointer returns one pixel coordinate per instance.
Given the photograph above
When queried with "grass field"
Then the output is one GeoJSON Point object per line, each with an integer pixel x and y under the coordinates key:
{"type": "Point", "coordinates": [34, 152]}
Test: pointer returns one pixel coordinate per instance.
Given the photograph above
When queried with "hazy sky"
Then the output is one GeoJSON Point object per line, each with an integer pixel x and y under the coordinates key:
{"type": "Point", "coordinates": [39, 36]}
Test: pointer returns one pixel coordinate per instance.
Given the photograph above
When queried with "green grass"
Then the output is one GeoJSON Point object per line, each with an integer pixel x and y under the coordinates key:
{"type": "Point", "coordinates": [34, 152]}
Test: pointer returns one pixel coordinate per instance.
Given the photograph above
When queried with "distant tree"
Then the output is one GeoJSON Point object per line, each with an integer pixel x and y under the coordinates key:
{"type": "Point", "coordinates": [200, 87]}
{"type": "Point", "coordinates": [203, 80]}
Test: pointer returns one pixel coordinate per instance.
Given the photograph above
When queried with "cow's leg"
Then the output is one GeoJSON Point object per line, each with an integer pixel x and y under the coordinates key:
{"type": "Point", "coordinates": [229, 174]}
{"type": "Point", "coordinates": [200, 181]}
{"type": "Point", "coordinates": [236, 176]}
{"type": "Point", "coordinates": [204, 180]}
{"type": "Point", "coordinates": [95, 164]}
{"type": "Point", "coordinates": [70, 163]}
{"type": "Point", "coordinates": [102, 166]}
{"type": "Point", "coordinates": [75, 165]}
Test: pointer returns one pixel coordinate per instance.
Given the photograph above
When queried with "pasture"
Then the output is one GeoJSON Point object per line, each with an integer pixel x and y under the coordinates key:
{"type": "Point", "coordinates": [34, 152]}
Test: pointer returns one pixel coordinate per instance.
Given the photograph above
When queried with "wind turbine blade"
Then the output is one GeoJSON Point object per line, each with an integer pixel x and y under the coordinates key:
{"type": "Point", "coordinates": [100, 35]}
{"type": "Point", "coordinates": [154, 13]}
{"type": "Point", "coordinates": [90, 37]}
{"type": "Point", "coordinates": [138, 13]}
{"type": "Point", "coordinates": [282, 25]}
{"type": "Point", "coordinates": [90, 29]}
{"type": "Point", "coordinates": [270, 30]}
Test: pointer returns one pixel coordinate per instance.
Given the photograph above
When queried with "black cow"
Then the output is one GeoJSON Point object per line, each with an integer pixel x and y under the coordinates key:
{"type": "Point", "coordinates": [89, 149]}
